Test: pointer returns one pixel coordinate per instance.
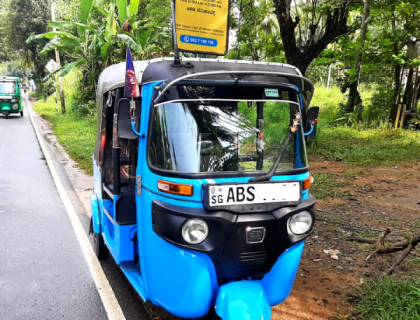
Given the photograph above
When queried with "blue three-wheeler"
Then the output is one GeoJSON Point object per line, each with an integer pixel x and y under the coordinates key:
{"type": "Point", "coordinates": [201, 184]}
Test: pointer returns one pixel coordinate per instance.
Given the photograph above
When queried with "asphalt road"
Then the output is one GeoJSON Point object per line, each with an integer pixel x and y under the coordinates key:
{"type": "Point", "coordinates": [43, 273]}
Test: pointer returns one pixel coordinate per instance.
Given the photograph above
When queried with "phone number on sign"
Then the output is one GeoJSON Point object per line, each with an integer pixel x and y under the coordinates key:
{"type": "Point", "coordinates": [199, 41]}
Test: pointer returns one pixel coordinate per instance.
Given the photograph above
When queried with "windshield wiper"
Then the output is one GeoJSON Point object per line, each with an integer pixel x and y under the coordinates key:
{"type": "Point", "coordinates": [276, 163]}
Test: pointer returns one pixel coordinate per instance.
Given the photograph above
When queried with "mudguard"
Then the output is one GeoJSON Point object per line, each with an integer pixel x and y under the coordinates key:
{"type": "Point", "coordinates": [278, 282]}
{"type": "Point", "coordinates": [6, 108]}
{"type": "Point", "coordinates": [94, 209]}
{"type": "Point", "coordinates": [242, 300]}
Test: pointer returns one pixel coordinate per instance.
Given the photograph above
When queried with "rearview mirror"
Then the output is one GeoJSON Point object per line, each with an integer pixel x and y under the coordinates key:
{"type": "Point", "coordinates": [308, 121]}
{"type": "Point", "coordinates": [124, 129]}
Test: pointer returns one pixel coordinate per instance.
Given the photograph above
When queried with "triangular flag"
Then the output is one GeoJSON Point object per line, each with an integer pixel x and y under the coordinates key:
{"type": "Point", "coordinates": [131, 85]}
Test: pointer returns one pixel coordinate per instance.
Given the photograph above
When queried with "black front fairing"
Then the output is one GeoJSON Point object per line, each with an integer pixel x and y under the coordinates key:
{"type": "Point", "coordinates": [226, 244]}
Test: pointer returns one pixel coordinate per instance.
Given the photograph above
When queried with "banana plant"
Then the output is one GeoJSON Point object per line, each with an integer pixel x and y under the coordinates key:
{"type": "Point", "coordinates": [84, 42]}
{"type": "Point", "coordinates": [142, 39]}
{"type": "Point", "coordinates": [94, 45]}
{"type": "Point", "coordinates": [126, 12]}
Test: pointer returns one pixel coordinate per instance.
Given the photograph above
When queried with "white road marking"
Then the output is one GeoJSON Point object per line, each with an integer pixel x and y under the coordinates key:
{"type": "Point", "coordinates": [106, 293]}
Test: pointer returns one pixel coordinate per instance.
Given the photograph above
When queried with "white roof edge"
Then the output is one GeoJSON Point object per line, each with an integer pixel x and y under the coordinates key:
{"type": "Point", "coordinates": [227, 61]}
{"type": "Point", "coordinates": [109, 81]}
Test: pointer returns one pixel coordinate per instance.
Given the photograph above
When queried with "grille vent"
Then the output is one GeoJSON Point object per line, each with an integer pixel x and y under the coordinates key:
{"type": "Point", "coordinates": [253, 256]}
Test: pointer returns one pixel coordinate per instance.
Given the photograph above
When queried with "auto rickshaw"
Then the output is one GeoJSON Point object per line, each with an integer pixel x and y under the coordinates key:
{"type": "Point", "coordinates": [201, 184]}
{"type": "Point", "coordinates": [10, 99]}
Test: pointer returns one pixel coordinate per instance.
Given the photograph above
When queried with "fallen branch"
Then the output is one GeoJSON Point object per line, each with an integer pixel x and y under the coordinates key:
{"type": "Point", "coordinates": [380, 248]}
{"type": "Point", "coordinates": [361, 240]}
{"type": "Point", "coordinates": [380, 244]}
{"type": "Point", "coordinates": [413, 243]}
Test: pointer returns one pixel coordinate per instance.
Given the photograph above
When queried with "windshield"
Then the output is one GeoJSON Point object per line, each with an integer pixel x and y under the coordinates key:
{"type": "Point", "coordinates": [7, 88]}
{"type": "Point", "coordinates": [216, 136]}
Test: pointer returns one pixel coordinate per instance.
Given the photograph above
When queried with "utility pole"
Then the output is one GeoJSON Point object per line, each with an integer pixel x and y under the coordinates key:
{"type": "Point", "coordinates": [57, 59]}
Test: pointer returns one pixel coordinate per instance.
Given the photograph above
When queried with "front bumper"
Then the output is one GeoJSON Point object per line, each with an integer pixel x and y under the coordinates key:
{"type": "Point", "coordinates": [226, 244]}
{"type": "Point", "coordinates": [9, 107]}
{"type": "Point", "coordinates": [251, 300]}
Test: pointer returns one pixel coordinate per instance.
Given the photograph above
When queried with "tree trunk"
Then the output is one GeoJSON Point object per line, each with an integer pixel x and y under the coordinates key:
{"type": "Point", "coordinates": [394, 108]}
{"type": "Point", "coordinates": [303, 53]}
{"type": "Point", "coordinates": [408, 88]}
{"type": "Point", "coordinates": [355, 81]}
{"type": "Point", "coordinates": [416, 93]}
{"type": "Point", "coordinates": [397, 67]}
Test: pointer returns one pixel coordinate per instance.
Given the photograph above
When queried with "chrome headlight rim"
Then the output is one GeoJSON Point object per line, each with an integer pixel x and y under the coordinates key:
{"type": "Point", "coordinates": [301, 215]}
{"type": "Point", "coordinates": [194, 222]}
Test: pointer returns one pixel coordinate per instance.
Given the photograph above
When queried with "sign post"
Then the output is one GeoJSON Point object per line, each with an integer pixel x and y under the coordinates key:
{"type": "Point", "coordinates": [201, 26]}
{"type": "Point", "coordinates": [52, 66]}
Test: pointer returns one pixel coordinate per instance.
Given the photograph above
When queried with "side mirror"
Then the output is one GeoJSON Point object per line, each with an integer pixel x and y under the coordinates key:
{"type": "Point", "coordinates": [310, 120]}
{"type": "Point", "coordinates": [124, 129]}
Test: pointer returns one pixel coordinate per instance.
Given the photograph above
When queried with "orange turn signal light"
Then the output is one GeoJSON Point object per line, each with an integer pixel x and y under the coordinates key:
{"type": "Point", "coordinates": [175, 188]}
{"type": "Point", "coordinates": [307, 182]}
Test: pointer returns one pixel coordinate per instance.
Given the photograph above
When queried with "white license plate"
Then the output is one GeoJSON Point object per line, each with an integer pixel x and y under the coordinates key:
{"type": "Point", "coordinates": [224, 195]}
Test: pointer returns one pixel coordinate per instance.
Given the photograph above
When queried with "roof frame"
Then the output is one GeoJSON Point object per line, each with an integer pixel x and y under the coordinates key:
{"type": "Point", "coordinates": [251, 73]}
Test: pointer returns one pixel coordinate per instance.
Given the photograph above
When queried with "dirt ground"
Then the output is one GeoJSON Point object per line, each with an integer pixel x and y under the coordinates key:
{"type": "Point", "coordinates": [362, 207]}
{"type": "Point", "coordinates": [365, 201]}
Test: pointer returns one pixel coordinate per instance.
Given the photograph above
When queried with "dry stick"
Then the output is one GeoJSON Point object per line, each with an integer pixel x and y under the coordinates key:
{"type": "Point", "coordinates": [380, 244]}
{"type": "Point", "coordinates": [410, 247]}
{"type": "Point", "coordinates": [380, 248]}
{"type": "Point", "coordinates": [361, 240]}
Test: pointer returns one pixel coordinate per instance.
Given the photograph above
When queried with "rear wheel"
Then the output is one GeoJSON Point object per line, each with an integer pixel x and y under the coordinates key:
{"type": "Point", "coordinates": [21, 113]}
{"type": "Point", "coordinates": [99, 246]}
{"type": "Point", "coordinates": [6, 114]}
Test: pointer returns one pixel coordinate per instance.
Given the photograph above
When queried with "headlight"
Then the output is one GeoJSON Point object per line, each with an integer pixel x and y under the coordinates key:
{"type": "Point", "coordinates": [15, 106]}
{"type": "Point", "coordinates": [195, 231]}
{"type": "Point", "coordinates": [14, 100]}
{"type": "Point", "coordinates": [301, 222]}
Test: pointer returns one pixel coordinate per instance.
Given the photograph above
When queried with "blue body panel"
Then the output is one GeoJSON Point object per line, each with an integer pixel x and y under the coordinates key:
{"type": "Point", "coordinates": [278, 282]}
{"type": "Point", "coordinates": [180, 280]}
{"type": "Point", "coordinates": [94, 209]}
{"type": "Point", "coordinates": [242, 300]}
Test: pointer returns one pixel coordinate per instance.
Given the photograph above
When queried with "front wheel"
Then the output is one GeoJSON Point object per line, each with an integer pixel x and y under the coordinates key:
{"type": "Point", "coordinates": [21, 113]}
{"type": "Point", "coordinates": [212, 315]}
{"type": "Point", "coordinates": [6, 114]}
{"type": "Point", "coordinates": [99, 245]}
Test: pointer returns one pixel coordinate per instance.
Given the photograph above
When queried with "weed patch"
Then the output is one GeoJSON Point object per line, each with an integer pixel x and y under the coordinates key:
{"type": "Point", "coordinates": [75, 133]}
{"type": "Point", "coordinates": [386, 298]}
{"type": "Point", "coordinates": [325, 185]}
{"type": "Point", "coordinates": [370, 147]}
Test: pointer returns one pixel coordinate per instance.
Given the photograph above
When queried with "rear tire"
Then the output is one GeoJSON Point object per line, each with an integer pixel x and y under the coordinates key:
{"type": "Point", "coordinates": [99, 246]}
{"type": "Point", "coordinates": [21, 113]}
{"type": "Point", "coordinates": [6, 114]}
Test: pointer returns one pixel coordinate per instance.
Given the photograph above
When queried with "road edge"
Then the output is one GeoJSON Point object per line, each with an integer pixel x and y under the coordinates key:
{"type": "Point", "coordinates": [105, 291]}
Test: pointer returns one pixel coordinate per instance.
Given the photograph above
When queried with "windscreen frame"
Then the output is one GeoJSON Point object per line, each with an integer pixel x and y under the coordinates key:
{"type": "Point", "coordinates": [218, 174]}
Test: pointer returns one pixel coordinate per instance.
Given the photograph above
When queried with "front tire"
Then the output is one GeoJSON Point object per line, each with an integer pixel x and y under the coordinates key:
{"type": "Point", "coordinates": [99, 246]}
{"type": "Point", "coordinates": [6, 114]}
{"type": "Point", "coordinates": [21, 113]}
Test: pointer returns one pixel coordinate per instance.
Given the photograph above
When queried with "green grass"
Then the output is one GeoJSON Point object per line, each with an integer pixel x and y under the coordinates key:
{"type": "Point", "coordinates": [369, 147]}
{"type": "Point", "coordinates": [388, 299]}
{"type": "Point", "coordinates": [76, 133]}
{"type": "Point", "coordinates": [329, 100]}
{"type": "Point", "coordinates": [325, 183]}
{"type": "Point", "coordinates": [380, 146]}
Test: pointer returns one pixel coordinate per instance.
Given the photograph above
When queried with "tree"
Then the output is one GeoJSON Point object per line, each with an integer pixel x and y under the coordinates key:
{"type": "Point", "coordinates": [354, 82]}
{"type": "Point", "coordinates": [23, 18]}
{"type": "Point", "coordinates": [307, 32]}
{"type": "Point", "coordinates": [257, 33]}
